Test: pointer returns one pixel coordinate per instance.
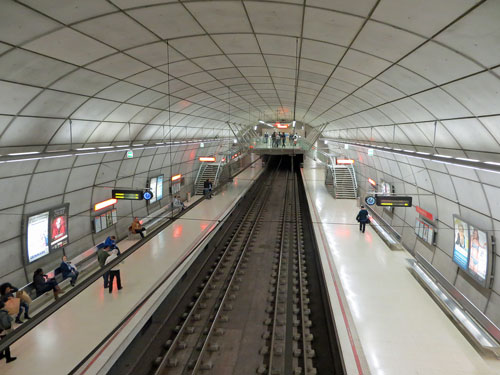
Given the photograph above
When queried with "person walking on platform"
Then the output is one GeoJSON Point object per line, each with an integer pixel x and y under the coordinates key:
{"type": "Point", "coordinates": [114, 272]}
{"type": "Point", "coordinates": [207, 189]}
{"type": "Point", "coordinates": [362, 218]}
{"type": "Point", "coordinates": [102, 255]}
{"type": "Point", "coordinates": [5, 327]}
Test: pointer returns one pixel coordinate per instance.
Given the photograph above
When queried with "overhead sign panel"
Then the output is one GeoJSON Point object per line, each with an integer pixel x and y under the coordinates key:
{"type": "Point", "coordinates": [134, 195]}
{"type": "Point", "coordinates": [393, 201]}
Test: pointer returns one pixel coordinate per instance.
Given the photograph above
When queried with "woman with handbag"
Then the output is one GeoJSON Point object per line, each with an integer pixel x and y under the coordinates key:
{"type": "Point", "coordinates": [43, 284]}
{"type": "Point", "coordinates": [7, 291]}
{"type": "Point", "coordinates": [5, 327]}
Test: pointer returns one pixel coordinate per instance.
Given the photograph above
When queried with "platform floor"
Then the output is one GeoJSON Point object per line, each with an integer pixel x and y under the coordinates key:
{"type": "Point", "coordinates": [61, 341]}
{"type": "Point", "coordinates": [387, 322]}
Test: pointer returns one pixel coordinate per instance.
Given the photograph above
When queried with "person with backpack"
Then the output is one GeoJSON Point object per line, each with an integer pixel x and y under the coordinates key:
{"type": "Point", "coordinates": [5, 327]}
{"type": "Point", "coordinates": [362, 218]}
{"type": "Point", "coordinates": [102, 255]}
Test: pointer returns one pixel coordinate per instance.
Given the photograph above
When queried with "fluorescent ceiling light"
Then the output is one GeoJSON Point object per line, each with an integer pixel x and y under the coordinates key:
{"type": "Point", "coordinates": [443, 156]}
{"type": "Point", "coordinates": [122, 146]}
{"type": "Point", "coordinates": [262, 122]}
{"type": "Point", "coordinates": [24, 153]}
{"type": "Point", "coordinates": [465, 159]}
{"type": "Point", "coordinates": [105, 147]}
{"type": "Point", "coordinates": [138, 144]}
{"type": "Point", "coordinates": [293, 123]}
{"type": "Point", "coordinates": [409, 151]}
{"type": "Point", "coordinates": [85, 148]}
{"type": "Point", "coordinates": [422, 153]}
{"type": "Point", "coordinates": [491, 163]}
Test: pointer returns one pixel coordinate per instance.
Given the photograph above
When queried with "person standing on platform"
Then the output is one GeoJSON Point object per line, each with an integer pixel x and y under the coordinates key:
{"type": "Point", "coordinates": [266, 137]}
{"type": "Point", "coordinates": [5, 327]}
{"type": "Point", "coordinates": [362, 218]}
{"type": "Point", "coordinates": [114, 272]}
{"type": "Point", "coordinates": [102, 256]}
{"type": "Point", "coordinates": [273, 138]}
{"type": "Point", "coordinates": [290, 139]}
{"type": "Point", "coordinates": [111, 243]}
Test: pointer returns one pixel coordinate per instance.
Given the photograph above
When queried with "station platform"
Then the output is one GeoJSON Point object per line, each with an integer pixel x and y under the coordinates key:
{"type": "Point", "coordinates": [60, 342]}
{"type": "Point", "coordinates": [386, 322]}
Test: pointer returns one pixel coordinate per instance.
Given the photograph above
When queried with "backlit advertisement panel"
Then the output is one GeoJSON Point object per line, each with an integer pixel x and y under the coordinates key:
{"type": "Point", "coordinates": [59, 227]}
{"type": "Point", "coordinates": [478, 256]}
{"type": "Point", "coordinates": [159, 188]}
{"type": "Point", "coordinates": [37, 240]}
{"type": "Point", "coordinates": [461, 243]}
{"type": "Point", "coordinates": [152, 186]}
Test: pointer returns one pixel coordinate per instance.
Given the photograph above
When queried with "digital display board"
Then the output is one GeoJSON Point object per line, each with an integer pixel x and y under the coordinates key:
{"type": "Point", "coordinates": [37, 241]}
{"type": "Point", "coordinates": [152, 186]}
{"type": "Point", "coordinates": [393, 201]}
{"type": "Point", "coordinates": [59, 227]}
{"type": "Point", "coordinates": [461, 243]}
{"type": "Point", "coordinates": [127, 194]}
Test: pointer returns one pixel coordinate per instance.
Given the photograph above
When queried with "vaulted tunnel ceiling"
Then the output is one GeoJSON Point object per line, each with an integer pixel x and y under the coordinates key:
{"type": "Point", "coordinates": [431, 67]}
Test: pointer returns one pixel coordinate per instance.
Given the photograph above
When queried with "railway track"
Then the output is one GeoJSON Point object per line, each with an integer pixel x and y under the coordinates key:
{"type": "Point", "coordinates": [249, 310]}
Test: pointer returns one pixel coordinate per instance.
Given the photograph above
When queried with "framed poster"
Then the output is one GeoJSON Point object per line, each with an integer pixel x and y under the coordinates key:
{"type": "Point", "coordinates": [59, 227]}
{"type": "Point", "coordinates": [461, 243]}
{"type": "Point", "coordinates": [37, 236]}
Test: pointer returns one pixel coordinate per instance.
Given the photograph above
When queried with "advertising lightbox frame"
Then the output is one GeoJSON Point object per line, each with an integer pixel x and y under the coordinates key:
{"type": "Point", "coordinates": [489, 252]}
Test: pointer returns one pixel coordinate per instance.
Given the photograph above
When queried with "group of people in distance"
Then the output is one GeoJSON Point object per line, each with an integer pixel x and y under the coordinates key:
{"type": "Point", "coordinates": [279, 138]}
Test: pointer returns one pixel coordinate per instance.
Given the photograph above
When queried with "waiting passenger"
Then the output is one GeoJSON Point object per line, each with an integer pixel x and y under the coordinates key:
{"type": "Point", "coordinates": [7, 291]}
{"type": "Point", "coordinates": [114, 272]}
{"type": "Point", "coordinates": [43, 284]}
{"type": "Point", "coordinates": [290, 139]}
{"type": "Point", "coordinates": [273, 139]}
{"type": "Point", "coordinates": [362, 218]}
{"type": "Point", "coordinates": [102, 255]}
{"type": "Point", "coordinates": [207, 189]}
{"type": "Point", "coordinates": [176, 203]}
{"type": "Point", "coordinates": [283, 139]}
{"type": "Point", "coordinates": [137, 227]}
{"type": "Point", "coordinates": [5, 327]}
{"type": "Point", "coordinates": [111, 243]}
{"type": "Point", "coordinates": [68, 270]}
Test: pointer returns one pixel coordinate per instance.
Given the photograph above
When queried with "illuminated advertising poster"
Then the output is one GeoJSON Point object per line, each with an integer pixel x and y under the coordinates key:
{"type": "Point", "coordinates": [430, 236]}
{"type": "Point", "coordinates": [159, 188]}
{"type": "Point", "coordinates": [97, 224]}
{"type": "Point", "coordinates": [59, 227]}
{"type": "Point", "coordinates": [104, 223]}
{"type": "Point", "coordinates": [152, 186]}
{"type": "Point", "coordinates": [109, 219]}
{"type": "Point", "coordinates": [461, 243]}
{"type": "Point", "coordinates": [478, 257]}
{"type": "Point", "coordinates": [114, 216]}
{"type": "Point", "coordinates": [38, 236]}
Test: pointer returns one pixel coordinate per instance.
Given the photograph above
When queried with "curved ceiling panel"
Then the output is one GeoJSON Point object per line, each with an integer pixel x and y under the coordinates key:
{"type": "Point", "coordinates": [351, 64]}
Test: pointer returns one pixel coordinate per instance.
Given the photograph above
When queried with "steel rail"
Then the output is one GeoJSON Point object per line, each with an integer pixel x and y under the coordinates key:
{"type": "Point", "coordinates": [231, 281]}
{"type": "Point", "coordinates": [278, 277]}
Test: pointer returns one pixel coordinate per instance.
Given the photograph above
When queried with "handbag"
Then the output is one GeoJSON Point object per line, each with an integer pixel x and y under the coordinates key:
{"type": "Point", "coordinates": [21, 294]}
{"type": "Point", "coordinates": [12, 306]}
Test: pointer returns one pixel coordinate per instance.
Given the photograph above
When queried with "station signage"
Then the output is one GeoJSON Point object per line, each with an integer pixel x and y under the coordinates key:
{"type": "Point", "coordinates": [393, 201]}
{"type": "Point", "coordinates": [133, 195]}
{"type": "Point", "coordinates": [279, 125]}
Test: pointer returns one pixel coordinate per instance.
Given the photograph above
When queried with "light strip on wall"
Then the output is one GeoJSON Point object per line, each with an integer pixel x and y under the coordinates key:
{"type": "Point", "coordinates": [488, 166]}
{"type": "Point", "coordinates": [20, 157]}
{"type": "Point", "coordinates": [104, 204]}
{"type": "Point", "coordinates": [176, 177]}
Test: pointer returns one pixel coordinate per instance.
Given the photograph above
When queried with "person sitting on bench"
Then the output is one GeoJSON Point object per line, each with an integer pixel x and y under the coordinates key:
{"type": "Point", "coordinates": [43, 284]}
{"type": "Point", "coordinates": [137, 227]}
{"type": "Point", "coordinates": [68, 270]}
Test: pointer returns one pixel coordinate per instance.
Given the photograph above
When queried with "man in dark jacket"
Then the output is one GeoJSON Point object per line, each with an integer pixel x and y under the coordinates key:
{"type": "Point", "coordinates": [69, 270]}
{"type": "Point", "coordinates": [362, 218]}
{"type": "Point", "coordinates": [5, 326]}
{"type": "Point", "coordinates": [102, 255]}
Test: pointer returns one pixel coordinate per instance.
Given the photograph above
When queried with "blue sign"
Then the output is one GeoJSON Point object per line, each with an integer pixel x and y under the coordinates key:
{"type": "Point", "coordinates": [370, 200]}
{"type": "Point", "coordinates": [147, 195]}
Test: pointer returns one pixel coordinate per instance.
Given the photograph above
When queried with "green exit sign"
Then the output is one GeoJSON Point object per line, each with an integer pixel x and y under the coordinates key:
{"type": "Point", "coordinates": [130, 154]}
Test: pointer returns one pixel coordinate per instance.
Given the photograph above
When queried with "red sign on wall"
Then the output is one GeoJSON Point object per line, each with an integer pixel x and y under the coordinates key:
{"type": "Point", "coordinates": [424, 213]}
